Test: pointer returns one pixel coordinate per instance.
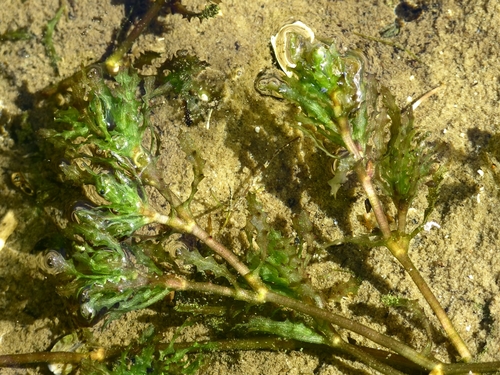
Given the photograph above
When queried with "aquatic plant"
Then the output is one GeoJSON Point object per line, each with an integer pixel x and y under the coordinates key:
{"type": "Point", "coordinates": [342, 110]}
{"type": "Point", "coordinates": [105, 149]}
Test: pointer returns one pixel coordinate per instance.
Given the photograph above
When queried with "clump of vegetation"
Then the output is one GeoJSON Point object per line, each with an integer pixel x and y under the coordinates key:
{"type": "Point", "coordinates": [15, 35]}
{"type": "Point", "coordinates": [105, 151]}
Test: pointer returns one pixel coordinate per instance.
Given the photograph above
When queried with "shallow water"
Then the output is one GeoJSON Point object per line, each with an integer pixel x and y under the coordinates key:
{"type": "Point", "coordinates": [456, 46]}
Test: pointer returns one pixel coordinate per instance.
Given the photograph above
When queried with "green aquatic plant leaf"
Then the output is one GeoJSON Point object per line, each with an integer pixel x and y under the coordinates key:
{"type": "Point", "coordinates": [48, 38]}
{"type": "Point", "coordinates": [342, 106]}
{"type": "Point", "coordinates": [279, 261]}
{"type": "Point", "coordinates": [286, 329]}
{"type": "Point", "coordinates": [406, 161]}
{"type": "Point", "coordinates": [328, 87]}
{"type": "Point", "coordinates": [108, 282]}
{"type": "Point", "coordinates": [103, 121]}
{"type": "Point", "coordinates": [210, 11]}
{"type": "Point", "coordinates": [344, 166]}
{"type": "Point", "coordinates": [186, 77]}
{"type": "Point", "coordinates": [207, 263]}
{"type": "Point", "coordinates": [14, 35]}
{"type": "Point", "coordinates": [146, 357]}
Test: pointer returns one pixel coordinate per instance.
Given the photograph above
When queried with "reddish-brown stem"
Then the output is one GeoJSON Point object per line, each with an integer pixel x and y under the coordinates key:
{"type": "Point", "coordinates": [176, 283]}
{"type": "Point", "coordinates": [114, 62]}
{"type": "Point", "coordinates": [184, 222]}
{"type": "Point", "coordinates": [345, 133]}
{"type": "Point", "coordinates": [252, 279]}
{"type": "Point", "coordinates": [372, 196]}
{"type": "Point", "coordinates": [364, 178]}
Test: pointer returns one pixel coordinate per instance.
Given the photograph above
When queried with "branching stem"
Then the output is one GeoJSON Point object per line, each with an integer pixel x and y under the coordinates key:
{"type": "Point", "coordinates": [361, 355]}
{"type": "Point", "coordinates": [175, 283]}
{"type": "Point", "coordinates": [399, 248]}
{"type": "Point", "coordinates": [182, 220]}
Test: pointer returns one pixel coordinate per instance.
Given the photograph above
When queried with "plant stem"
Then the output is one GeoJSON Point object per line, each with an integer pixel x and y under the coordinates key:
{"type": "Point", "coordinates": [356, 327]}
{"type": "Point", "coordinates": [361, 355]}
{"type": "Point", "coordinates": [364, 178]}
{"type": "Point", "coordinates": [114, 62]}
{"type": "Point", "coordinates": [178, 284]}
{"type": "Point", "coordinates": [345, 133]}
{"type": "Point", "coordinates": [467, 368]}
{"type": "Point", "coordinates": [399, 248]}
{"type": "Point", "coordinates": [263, 294]}
{"type": "Point", "coordinates": [50, 357]}
{"type": "Point", "coordinates": [372, 196]}
{"type": "Point", "coordinates": [402, 214]}
{"type": "Point", "coordinates": [251, 278]}
{"type": "Point", "coordinates": [184, 222]}
{"type": "Point", "coordinates": [255, 343]}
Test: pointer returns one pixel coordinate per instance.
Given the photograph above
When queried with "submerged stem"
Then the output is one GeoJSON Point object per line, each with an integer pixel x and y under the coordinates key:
{"type": "Point", "coordinates": [402, 214]}
{"type": "Point", "coordinates": [9, 360]}
{"type": "Point", "coordinates": [346, 134]}
{"type": "Point", "coordinates": [399, 248]}
{"type": "Point", "coordinates": [361, 355]}
{"type": "Point", "coordinates": [352, 326]}
{"type": "Point", "coordinates": [252, 279]}
{"type": "Point", "coordinates": [176, 283]}
{"type": "Point", "coordinates": [114, 62]}
{"type": "Point", "coordinates": [377, 208]}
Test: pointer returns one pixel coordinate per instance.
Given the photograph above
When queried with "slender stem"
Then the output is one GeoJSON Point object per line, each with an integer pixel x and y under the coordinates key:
{"type": "Point", "coordinates": [115, 61]}
{"type": "Point", "coordinates": [176, 283]}
{"type": "Point", "coordinates": [467, 368]}
{"type": "Point", "coordinates": [377, 208]}
{"type": "Point", "coordinates": [356, 327]}
{"type": "Point", "coordinates": [152, 177]}
{"type": "Point", "coordinates": [361, 355]}
{"type": "Point", "coordinates": [184, 223]}
{"type": "Point", "coordinates": [345, 133]}
{"type": "Point", "coordinates": [17, 360]}
{"type": "Point", "coordinates": [399, 248]}
{"type": "Point", "coordinates": [252, 279]}
{"type": "Point", "coordinates": [402, 214]}
{"type": "Point", "coordinates": [364, 178]}
{"type": "Point", "coordinates": [400, 251]}
{"type": "Point", "coordinates": [280, 344]}
{"type": "Point", "coordinates": [255, 343]}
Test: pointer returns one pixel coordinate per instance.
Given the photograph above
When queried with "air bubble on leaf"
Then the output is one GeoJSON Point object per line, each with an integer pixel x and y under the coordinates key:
{"type": "Point", "coordinates": [268, 83]}
{"type": "Point", "coordinates": [53, 263]}
{"type": "Point", "coordinates": [87, 311]}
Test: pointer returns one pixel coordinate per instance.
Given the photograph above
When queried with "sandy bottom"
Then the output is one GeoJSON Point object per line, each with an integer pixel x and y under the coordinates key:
{"type": "Point", "coordinates": [456, 44]}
